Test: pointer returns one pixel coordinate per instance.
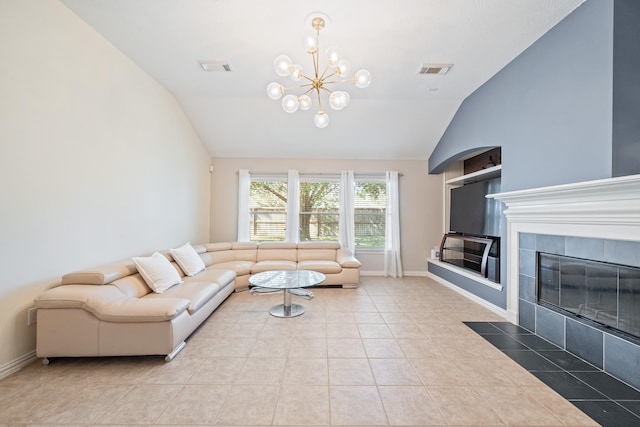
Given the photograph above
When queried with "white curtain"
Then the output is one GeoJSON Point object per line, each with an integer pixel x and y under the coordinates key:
{"type": "Point", "coordinates": [244, 185]}
{"type": "Point", "coordinates": [392, 260]}
{"type": "Point", "coordinates": [293, 206]}
{"type": "Point", "coordinates": [346, 233]}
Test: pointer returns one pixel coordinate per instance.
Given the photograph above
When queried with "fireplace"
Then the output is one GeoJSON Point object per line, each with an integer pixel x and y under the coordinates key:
{"type": "Point", "coordinates": [605, 293]}
{"type": "Point", "coordinates": [589, 230]}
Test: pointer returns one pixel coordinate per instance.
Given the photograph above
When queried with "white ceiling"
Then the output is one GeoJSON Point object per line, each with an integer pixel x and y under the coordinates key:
{"type": "Point", "coordinates": [401, 115]}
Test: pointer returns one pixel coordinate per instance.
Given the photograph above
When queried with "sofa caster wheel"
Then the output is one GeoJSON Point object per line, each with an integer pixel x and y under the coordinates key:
{"type": "Point", "coordinates": [45, 361]}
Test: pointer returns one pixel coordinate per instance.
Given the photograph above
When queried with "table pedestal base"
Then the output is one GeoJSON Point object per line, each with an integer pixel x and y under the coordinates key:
{"type": "Point", "coordinates": [282, 310]}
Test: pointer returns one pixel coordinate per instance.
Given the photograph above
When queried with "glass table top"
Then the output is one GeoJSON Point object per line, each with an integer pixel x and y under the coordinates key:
{"type": "Point", "coordinates": [287, 279]}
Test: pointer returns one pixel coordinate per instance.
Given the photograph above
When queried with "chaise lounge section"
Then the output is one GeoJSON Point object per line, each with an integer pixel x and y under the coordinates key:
{"type": "Point", "coordinates": [111, 310]}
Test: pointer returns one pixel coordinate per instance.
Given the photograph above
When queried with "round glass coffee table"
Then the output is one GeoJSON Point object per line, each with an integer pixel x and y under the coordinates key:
{"type": "Point", "coordinates": [291, 282]}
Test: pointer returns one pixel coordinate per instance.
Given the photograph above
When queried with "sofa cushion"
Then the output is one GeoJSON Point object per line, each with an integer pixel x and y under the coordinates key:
{"type": "Point", "coordinates": [188, 259]}
{"type": "Point", "coordinates": [132, 286]}
{"type": "Point", "coordinates": [200, 248]}
{"type": "Point", "coordinates": [199, 289]}
{"type": "Point", "coordinates": [196, 292]}
{"type": "Point", "coordinates": [244, 246]}
{"type": "Point", "coordinates": [316, 254]}
{"type": "Point", "coordinates": [277, 245]}
{"type": "Point", "coordinates": [245, 251]}
{"type": "Point", "coordinates": [321, 266]}
{"type": "Point", "coordinates": [108, 303]}
{"type": "Point", "coordinates": [318, 245]}
{"type": "Point", "coordinates": [157, 272]}
{"type": "Point", "coordinates": [218, 257]}
{"type": "Point", "coordinates": [220, 246]}
{"type": "Point", "coordinates": [217, 275]}
{"type": "Point", "coordinates": [269, 265]}
{"type": "Point", "coordinates": [240, 267]}
{"type": "Point", "coordinates": [277, 251]}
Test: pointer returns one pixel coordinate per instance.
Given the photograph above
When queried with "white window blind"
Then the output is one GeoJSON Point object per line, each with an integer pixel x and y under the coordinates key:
{"type": "Point", "coordinates": [319, 208]}
{"type": "Point", "coordinates": [268, 208]}
{"type": "Point", "coordinates": [369, 217]}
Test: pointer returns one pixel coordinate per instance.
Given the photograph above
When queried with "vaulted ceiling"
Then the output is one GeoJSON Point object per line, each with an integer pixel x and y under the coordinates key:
{"type": "Point", "coordinates": [401, 115]}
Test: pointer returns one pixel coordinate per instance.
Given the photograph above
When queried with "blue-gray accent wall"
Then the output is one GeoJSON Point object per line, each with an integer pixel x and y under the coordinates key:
{"type": "Point", "coordinates": [550, 109]}
{"type": "Point", "coordinates": [626, 88]}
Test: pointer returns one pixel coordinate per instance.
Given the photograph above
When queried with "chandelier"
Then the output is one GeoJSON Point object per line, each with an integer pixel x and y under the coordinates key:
{"type": "Point", "coordinates": [319, 83]}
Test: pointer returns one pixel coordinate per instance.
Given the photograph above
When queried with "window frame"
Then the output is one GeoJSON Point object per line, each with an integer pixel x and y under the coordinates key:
{"type": "Point", "coordinates": [268, 178]}
{"type": "Point", "coordinates": [378, 179]}
{"type": "Point", "coordinates": [318, 178]}
{"type": "Point", "coordinates": [292, 183]}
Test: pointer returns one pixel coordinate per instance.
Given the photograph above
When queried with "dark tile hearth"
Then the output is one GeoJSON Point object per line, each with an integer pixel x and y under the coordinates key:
{"type": "Point", "coordinates": [608, 401]}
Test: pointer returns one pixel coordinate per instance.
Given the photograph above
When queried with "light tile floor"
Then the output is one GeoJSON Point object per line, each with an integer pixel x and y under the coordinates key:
{"type": "Point", "coordinates": [392, 352]}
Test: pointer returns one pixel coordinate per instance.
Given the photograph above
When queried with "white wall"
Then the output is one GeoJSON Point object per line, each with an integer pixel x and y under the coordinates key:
{"type": "Point", "coordinates": [420, 202]}
{"type": "Point", "coordinates": [98, 161]}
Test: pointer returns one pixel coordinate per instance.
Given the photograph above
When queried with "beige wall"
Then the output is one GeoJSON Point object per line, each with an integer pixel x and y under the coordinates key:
{"type": "Point", "coordinates": [98, 161]}
{"type": "Point", "coordinates": [420, 202]}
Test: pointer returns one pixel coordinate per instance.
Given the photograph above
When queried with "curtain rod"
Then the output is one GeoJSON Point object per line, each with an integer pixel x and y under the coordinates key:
{"type": "Point", "coordinates": [334, 174]}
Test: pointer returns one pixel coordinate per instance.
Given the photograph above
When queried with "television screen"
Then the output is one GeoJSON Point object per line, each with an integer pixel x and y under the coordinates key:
{"type": "Point", "coordinates": [472, 213]}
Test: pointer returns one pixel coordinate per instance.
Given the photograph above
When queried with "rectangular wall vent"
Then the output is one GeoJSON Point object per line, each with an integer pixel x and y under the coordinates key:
{"type": "Point", "coordinates": [218, 67]}
{"type": "Point", "coordinates": [434, 68]}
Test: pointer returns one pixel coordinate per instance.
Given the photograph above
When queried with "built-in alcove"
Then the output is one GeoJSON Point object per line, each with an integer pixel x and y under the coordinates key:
{"type": "Point", "coordinates": [469, 260]}
{"type": "Point", "coordinates": [472, 241]}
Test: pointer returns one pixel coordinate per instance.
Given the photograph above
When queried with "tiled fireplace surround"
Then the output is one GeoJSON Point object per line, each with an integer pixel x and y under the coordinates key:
{"type": "Point", "coordinates": [597, 220]}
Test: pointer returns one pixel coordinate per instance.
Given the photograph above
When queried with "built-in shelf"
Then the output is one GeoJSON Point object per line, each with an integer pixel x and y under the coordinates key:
{"type": "Point", "coordinates": [481, 175]}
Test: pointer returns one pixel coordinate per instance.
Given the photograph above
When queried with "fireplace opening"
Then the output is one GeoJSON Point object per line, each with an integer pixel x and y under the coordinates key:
{"type": "Point", "coordinates": [606, 293]}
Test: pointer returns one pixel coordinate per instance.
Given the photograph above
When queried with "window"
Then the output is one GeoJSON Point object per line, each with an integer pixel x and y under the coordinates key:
{"type": "Point", "coordinates": [370, 201]}
{"type": "Point", "coordinates": [319, 209]}
{"type": "Point", "coordinates": [268, 209]}
{"type": "Point", "coordinates": [291, 207]}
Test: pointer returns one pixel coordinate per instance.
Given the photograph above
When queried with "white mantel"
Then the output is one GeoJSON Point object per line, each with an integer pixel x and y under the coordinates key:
{"type": "Point", "coordinates": [605, 208]}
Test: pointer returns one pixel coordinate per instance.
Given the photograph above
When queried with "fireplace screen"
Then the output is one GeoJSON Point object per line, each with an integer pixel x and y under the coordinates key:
{"type": "Point", "coordinates": [605, 293]}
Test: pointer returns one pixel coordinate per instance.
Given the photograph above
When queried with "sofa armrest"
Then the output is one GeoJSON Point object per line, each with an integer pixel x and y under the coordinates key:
{"type": "Point", "coordinates": [143, 310]}
{"type": "Point", "coordinates": [345, 258]}
{"type": "Point", "coordinates": [108, 303]}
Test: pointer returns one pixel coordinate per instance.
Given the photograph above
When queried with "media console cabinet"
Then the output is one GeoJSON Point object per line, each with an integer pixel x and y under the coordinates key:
{"type": "Point", "coordinates": [475, 253]}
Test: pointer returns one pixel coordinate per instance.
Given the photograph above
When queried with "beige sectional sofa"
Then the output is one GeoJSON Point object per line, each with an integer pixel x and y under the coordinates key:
{"type": "Point", "coordinates": [111, 311]}
{"type": "Point", "coordinates": [338, 264]}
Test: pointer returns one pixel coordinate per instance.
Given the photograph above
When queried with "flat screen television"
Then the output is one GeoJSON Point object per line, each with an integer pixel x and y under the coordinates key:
{"type": "Point", "coordinates": [472, 213]}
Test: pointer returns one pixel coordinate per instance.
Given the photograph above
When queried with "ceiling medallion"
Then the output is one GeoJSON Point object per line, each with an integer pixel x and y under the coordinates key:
{"type": "Point", "coordinates": [315, 84]}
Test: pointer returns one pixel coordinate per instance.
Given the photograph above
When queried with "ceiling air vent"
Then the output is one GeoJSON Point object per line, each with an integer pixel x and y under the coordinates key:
{"type": "Point", "coordinates": [434, 68]}
{"type": "Point", "coordinates": [218, 67]}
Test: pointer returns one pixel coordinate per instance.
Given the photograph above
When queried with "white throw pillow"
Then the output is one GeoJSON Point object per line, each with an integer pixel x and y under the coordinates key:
{"type": "Point", "coordinates": [157, 272]}
{"type": "Point", "coordinates": [188, 259]}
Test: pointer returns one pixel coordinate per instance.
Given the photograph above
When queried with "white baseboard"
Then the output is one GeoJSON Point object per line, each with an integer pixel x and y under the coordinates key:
{"type": "Point", "coordinates": [406, 273]}
{"type": "Point", "coordinates": [416, 273]}
{"type": "Point", "coordinates": [371, 273]}
{"type": "Point", "coordinates": [17, 364]}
